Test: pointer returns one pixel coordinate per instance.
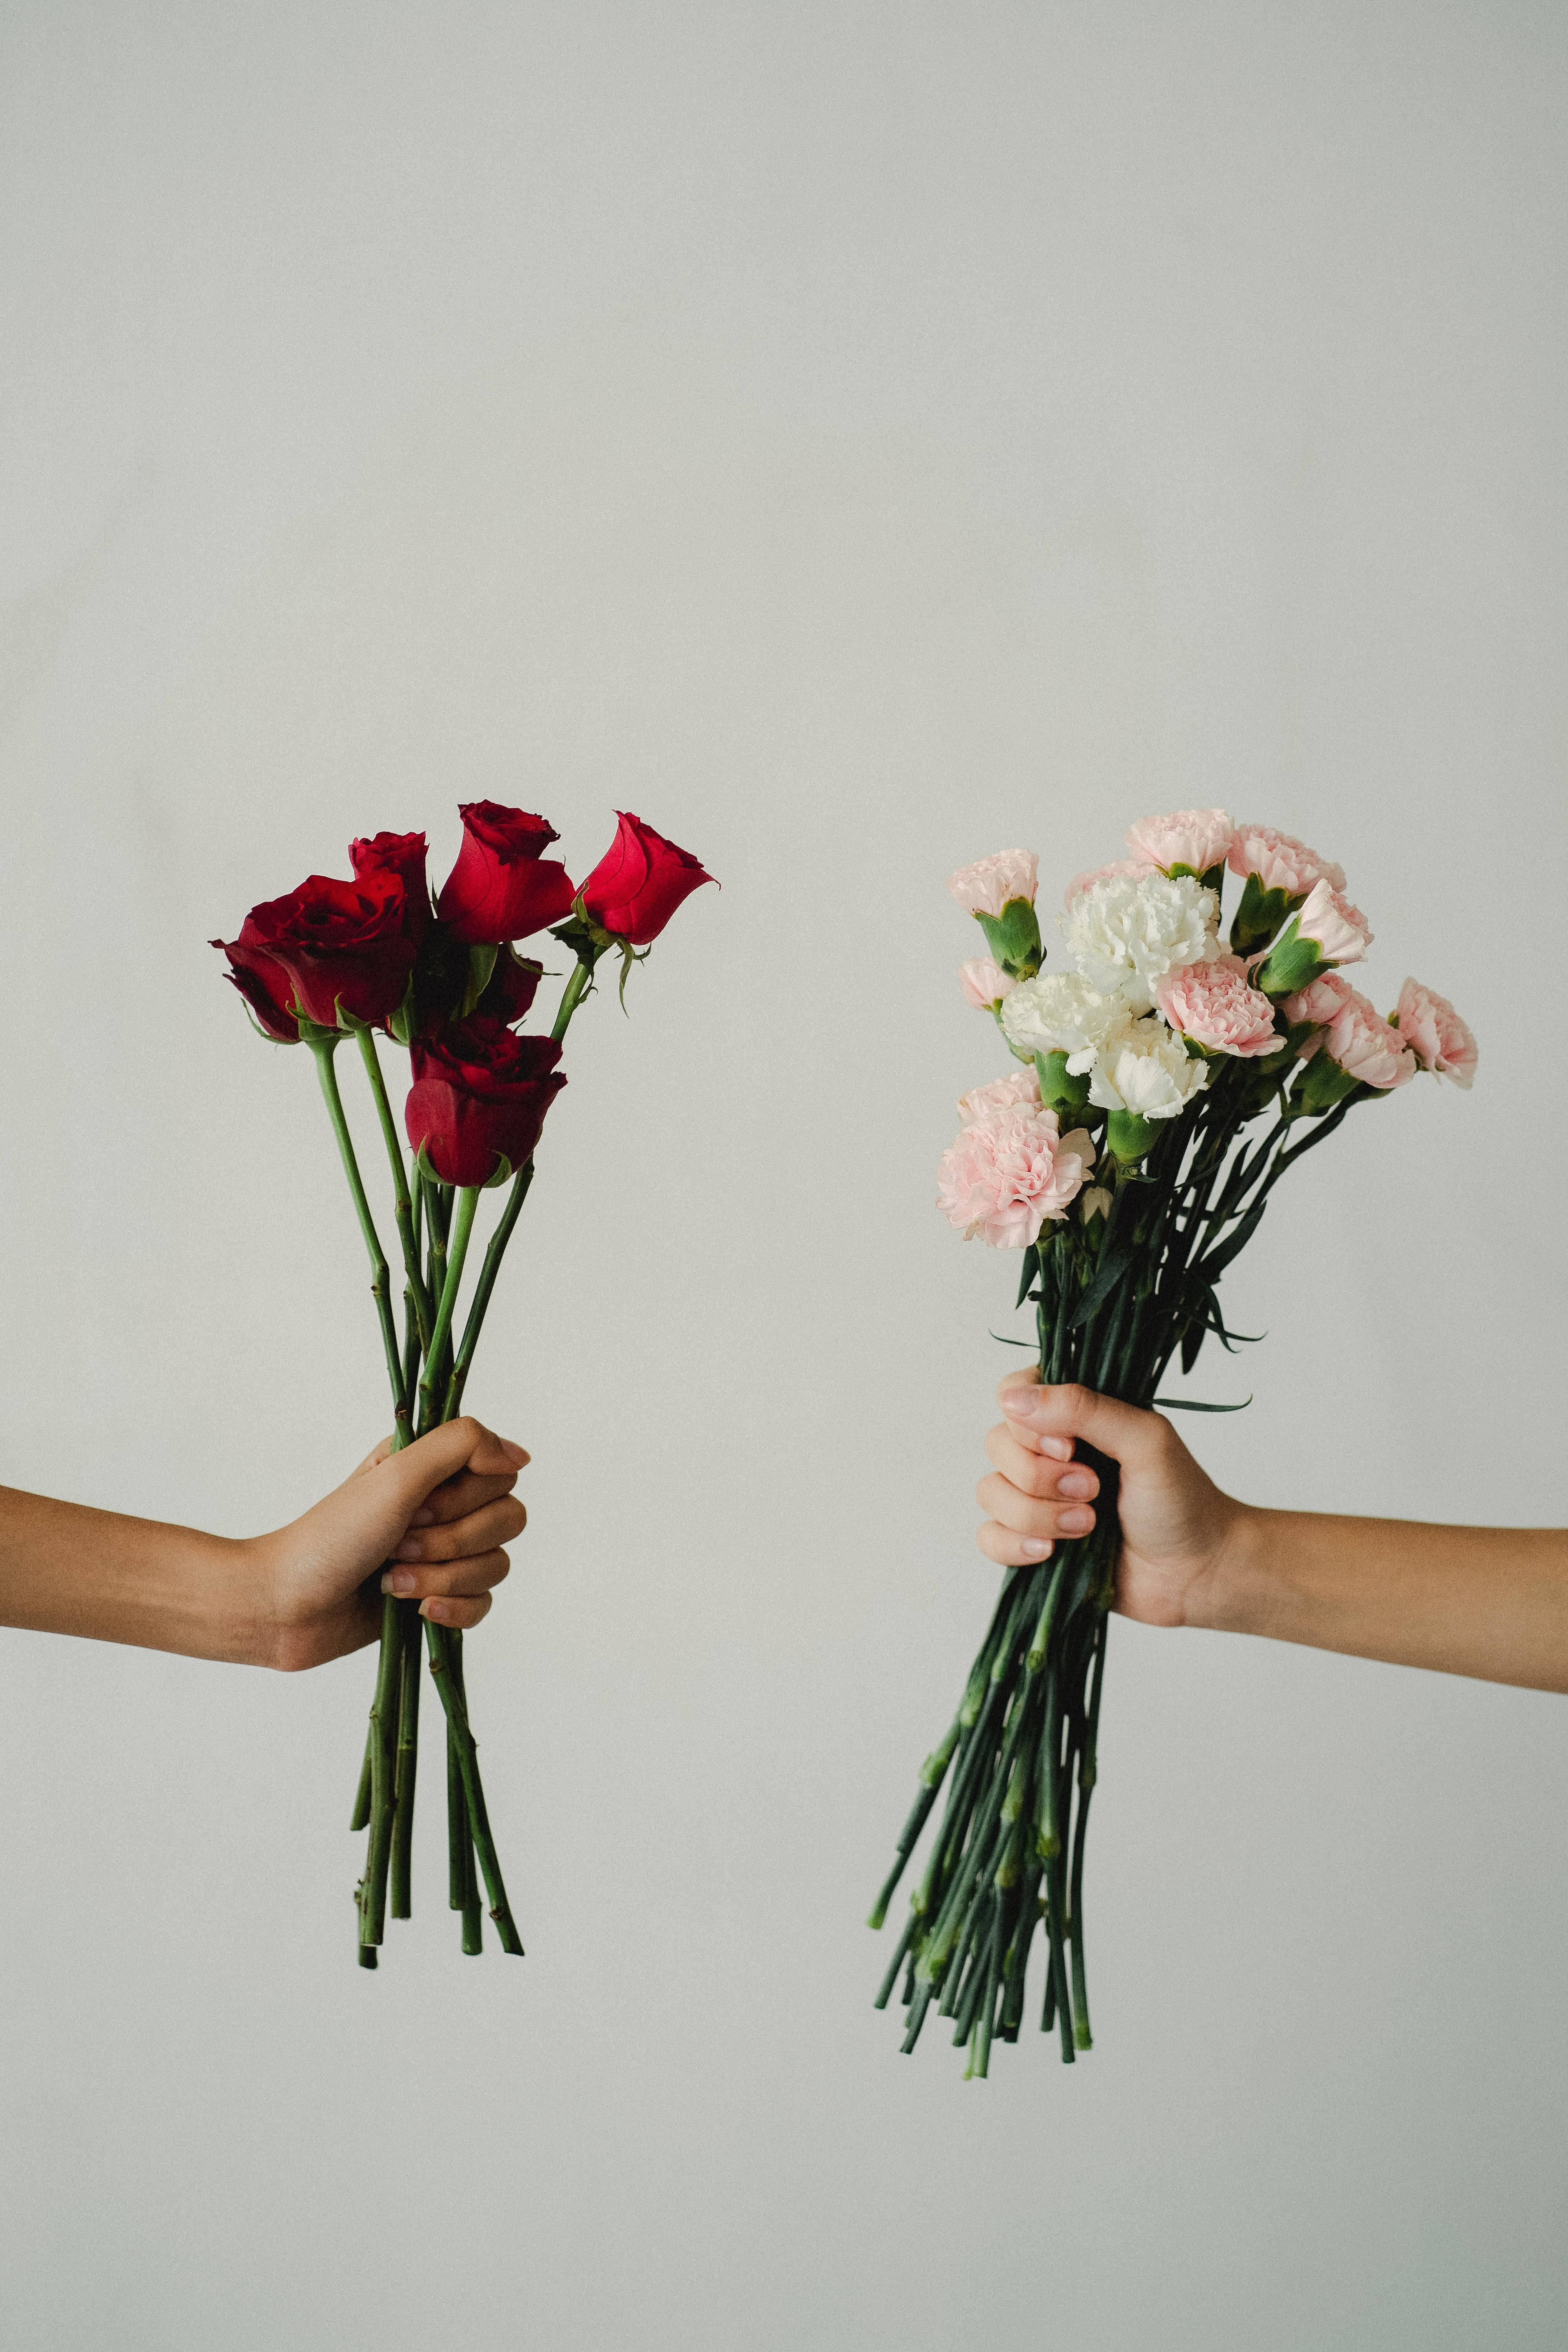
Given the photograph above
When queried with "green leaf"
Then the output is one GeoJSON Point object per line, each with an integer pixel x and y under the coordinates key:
{"type": "Point", "coordinates": [1031, 1266]}
{"type": "Point", "coordinates": [1107, 1274]}
{"type": "Point", "coordinates": [1190, 1404]}
{"type": "Point", "coordinates": [1210, 1267]}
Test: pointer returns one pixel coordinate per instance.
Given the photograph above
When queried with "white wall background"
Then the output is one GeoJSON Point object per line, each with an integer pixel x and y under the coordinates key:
{"type": "Point", "coordinates": [856, 438]}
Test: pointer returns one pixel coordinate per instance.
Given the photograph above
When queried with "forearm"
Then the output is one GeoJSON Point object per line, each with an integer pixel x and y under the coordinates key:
{"type": "Point", "coordinates": [68, 1569]}
{"type": "Point", "coordinates": [1487, 1602]}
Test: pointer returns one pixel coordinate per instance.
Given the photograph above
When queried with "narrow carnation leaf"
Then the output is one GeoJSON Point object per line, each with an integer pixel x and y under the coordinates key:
{"type": "Point", "coordinates": [1105, 1281]}
{"type": "Point", "coordinates": [1190, 1404]}
{"type": "Point", "coordinates": [1031, 1264]}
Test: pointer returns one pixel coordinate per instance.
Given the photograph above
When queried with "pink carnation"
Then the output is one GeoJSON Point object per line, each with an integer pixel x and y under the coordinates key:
{"type": "Point", "coordinates": [1280, 862]}
{"type": "Point", "coordinates": [1002, 1179]}
{"type": "Point", "coordinates": [1435, 1035]}
{"type": "Point", "coordinates": [1318, 1004]}
{"type": "Point", "coordinates": [1023, 1087]}
{"type": "Point", "coordinates": [986, 888]}
{"type": "Point", "coordinates": [1341, 930]}
{"type": "Point", "coordinates": [1086, 881]}
{"type": "Point", "coordinates": [984, 982]}
{"type": "Point", "coordinates": [1197, 837]}
{"type": "Point", "coordinates": [1212, 1004]}
{"type": "Point", "coordinates": [1360, 1040]}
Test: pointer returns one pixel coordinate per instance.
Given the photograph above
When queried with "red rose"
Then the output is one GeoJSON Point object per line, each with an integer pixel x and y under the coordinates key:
{"type": "Point", "coordinates": [402, 853]}
{"type": "Point", "coordinates": [264, 984]}
{"type": "Point", "coordinates": [479, 1098]}
{"type": "Point", "coordinates": [339, 944]}
{"type": "Point", "coordinates": [502, 886]}
{"type": "Point", "coordinates": [511, 987]}
{"type": "Point", "coordinates": [636, 887]}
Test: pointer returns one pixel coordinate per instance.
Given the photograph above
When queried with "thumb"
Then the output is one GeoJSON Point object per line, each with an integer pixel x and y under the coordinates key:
{"type": "Point", "coordinates": [1049, 1419]}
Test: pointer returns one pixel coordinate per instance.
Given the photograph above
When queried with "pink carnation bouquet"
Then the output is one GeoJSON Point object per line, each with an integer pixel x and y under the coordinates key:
{"type": "Point", "coordinates": [1126, 1160]}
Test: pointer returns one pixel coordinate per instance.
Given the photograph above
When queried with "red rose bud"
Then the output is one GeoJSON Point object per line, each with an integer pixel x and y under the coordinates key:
{"type": "Point", "coordinates": [478, 1100]}
{"type": "Point", "coordinates": [511, 987]}
{"type": "Point", "coordinates": [502, 885]}
{"type": "Point", "coordinates": [342, 946]}
{"type": "Point", "coordinates": [636, 887]}
{"type": "Point", "coordinates": [264, 984]}
{"type": "Point", "coordinates": [402, 853]}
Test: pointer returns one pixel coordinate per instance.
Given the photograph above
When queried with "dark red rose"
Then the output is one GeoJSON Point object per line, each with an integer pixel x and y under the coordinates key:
{"type": "Point", "coordinates": [479, 1097]}
{"type": "Point", "coordinates": [636, 887]}
{"type": "Point", "coordinates": [339, 944]}
{"type": "Point", "coordinates": [502, 885]}
{"type": "Point", "coordinates": [264, 984]}
{"type": "Point", "coordinates": [511, 987]}
{"type": "Point", "coordinates": [402, 853]}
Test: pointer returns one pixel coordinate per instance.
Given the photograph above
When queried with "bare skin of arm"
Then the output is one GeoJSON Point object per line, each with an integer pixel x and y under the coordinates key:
{"type": "Point", "coordinates": [1487, 1602]}
{"type": "Point", "coordinates": [433, 1519]}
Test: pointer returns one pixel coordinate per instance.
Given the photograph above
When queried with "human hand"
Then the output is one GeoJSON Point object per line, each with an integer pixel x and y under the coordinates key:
{"type": "Point", "coordinates": [434, 1516]}
{"type": "Point", "coordinates": [1178, 1530]}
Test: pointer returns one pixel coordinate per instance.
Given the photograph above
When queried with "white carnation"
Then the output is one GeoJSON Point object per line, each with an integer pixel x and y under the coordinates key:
{"type": "Point", "coordinates": [1145, 1066]}
{"type": "Point", "coordinates": [1059, 1013]}
{"type": "Point", "coordinates": [1128, 930]}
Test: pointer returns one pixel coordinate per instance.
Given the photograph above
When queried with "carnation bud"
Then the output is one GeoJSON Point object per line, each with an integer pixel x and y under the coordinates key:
{"type": "Point", "coordinates": [1059, 1090]}
{"type": "Point", "coordinates": [1014, 938]}
{"type": "Point", "coordinates": [1129, 1135]}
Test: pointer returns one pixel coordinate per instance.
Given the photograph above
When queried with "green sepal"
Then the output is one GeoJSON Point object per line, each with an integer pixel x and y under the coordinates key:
{"type": "Point", "coordinates": [422, 1168]}
{"type": "Point", "coordinates": [1291, 965]}
{"type": "Point", "coordinates": [1320, 1086]}
{"type": "Point", "coordinates": [1059, 1090]}
{"type": "Point", "coordinates": [503, 1175]}
{"type": "Point", "coordinates": [1211, 878]}
{"type": "Point", "coordinates": [481, 963]}
{"type": "Point", "coordinates": [313, 1032]}
{"type": "Point", "coordinates": [266, 1034]}
{"type": "Point", "coordinates": [1130, 1135]}
{"type": "Point", "coordinates": [588, 940]}
{"type": "Point", "coordinates": [1259, 916]}
{"type": "Point", "coordinates": [1014, 938]}
{"type": "Point", "coordinates": [403, 1024]}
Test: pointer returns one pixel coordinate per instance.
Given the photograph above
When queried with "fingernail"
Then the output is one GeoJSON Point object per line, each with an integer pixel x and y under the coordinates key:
{"type": "Point", "coordinates": [1076, 1482]}
{"type": "Point", "coordinates": [422, 1517]}
{"type": "Point", "coordinates": [1076, 1522]}
{"type": "Point", "coordinates": [517, 1454]}
{"type": "Point", "coordinates": [435, 1610]}
{"type": "Point", "coordinates": [1034, 1547]}
{"type": "Point", "coordinates": [409, 1548]}
{"type": "Point", "coordinates": [399, 1580]}
{"type": "Point", "coordinates": [1020, 1403]}
{"type": "Point", "coordinates": [1058, 1448]}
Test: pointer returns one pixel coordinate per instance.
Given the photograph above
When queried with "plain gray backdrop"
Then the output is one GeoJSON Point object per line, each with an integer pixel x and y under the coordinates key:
{"type": "Point", "coordinates": [858, 438]}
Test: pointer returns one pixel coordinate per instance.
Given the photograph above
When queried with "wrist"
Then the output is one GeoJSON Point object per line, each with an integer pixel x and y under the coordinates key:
{"type": "Point", "coordinates": [1232, 1594]}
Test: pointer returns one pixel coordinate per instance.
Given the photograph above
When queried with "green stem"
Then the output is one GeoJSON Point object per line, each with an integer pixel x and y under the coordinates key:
{"type": "Point", "coordinates": [463, 1225]}
{"type": "Point", "coordinates": [441, 1667]}
{"type": "Point", "coordinates": [379, 1271]}
{"type": "Point", "coordinates": [383, 1774]}
{"type": "Point", "coordinates": [483, 1287]}
{"type": "Point", "coordinates": [402, 1202]}
{"type": "Point", "coordinates": [409, 1646]}
{"type": "Point", "coordinates": [572, 995]}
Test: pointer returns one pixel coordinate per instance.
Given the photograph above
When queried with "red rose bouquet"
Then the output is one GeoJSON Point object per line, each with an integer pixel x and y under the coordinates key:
{"type": "Point", "coordinates": [1118, 1159]}
{"type": "Point", "coordinates": [336, 960]}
